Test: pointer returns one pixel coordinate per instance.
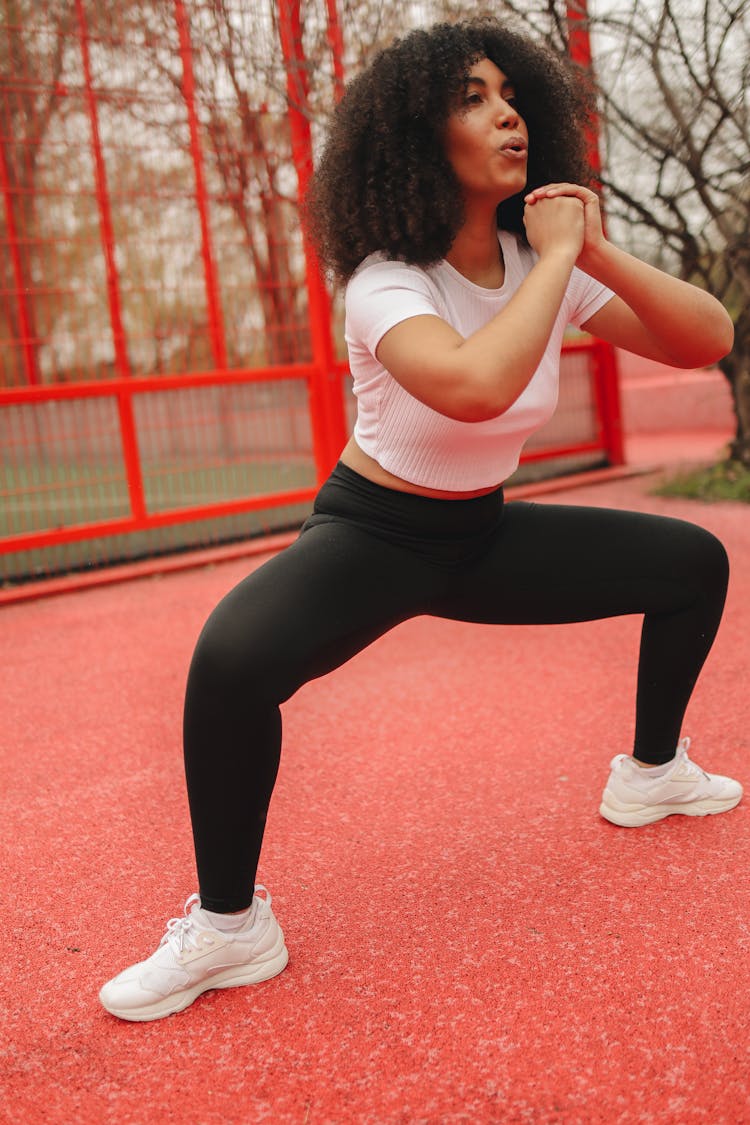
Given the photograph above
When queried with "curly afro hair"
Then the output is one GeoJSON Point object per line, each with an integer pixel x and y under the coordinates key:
{"type": "Point", "coordinates": [383, 182]}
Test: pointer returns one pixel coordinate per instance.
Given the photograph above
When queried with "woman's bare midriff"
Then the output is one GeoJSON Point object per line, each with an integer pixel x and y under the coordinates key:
{"type": "Point", "coordinates": [355, 458]}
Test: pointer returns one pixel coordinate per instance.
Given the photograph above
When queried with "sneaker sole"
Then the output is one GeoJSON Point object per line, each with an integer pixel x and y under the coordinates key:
{"type": "Point", "coordinates": [229, 978]}
{"type": "Point", "coordinates": [636, 816]}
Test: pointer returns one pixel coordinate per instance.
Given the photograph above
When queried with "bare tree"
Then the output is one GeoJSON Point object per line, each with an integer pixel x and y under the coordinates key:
{"type": "Point", "coordinates": [690, 135]}
{"type": "Point", "coordinates": [672, 79]}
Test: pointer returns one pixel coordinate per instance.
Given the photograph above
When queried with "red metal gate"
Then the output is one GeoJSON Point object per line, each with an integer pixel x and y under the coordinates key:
{"type": "Point", "coordinates": [171, 366]}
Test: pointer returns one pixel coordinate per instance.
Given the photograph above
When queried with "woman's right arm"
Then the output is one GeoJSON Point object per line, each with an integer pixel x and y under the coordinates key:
{"type": "Point", "coordinates": [481, 376]}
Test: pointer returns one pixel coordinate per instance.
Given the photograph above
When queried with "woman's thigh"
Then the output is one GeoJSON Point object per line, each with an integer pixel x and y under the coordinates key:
{"type": "Point", "coordinates": [553, 563]}
{"type": "Point", "coordinates": [309, 609]}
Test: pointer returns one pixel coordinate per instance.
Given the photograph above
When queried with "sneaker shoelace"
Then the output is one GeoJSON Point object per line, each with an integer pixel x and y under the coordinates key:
{"type": "Point", "coordinates": [181, 932]}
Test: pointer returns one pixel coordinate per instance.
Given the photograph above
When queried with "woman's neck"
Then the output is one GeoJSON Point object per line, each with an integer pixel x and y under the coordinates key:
{"type": "Point", "coordinates": [476, 254]}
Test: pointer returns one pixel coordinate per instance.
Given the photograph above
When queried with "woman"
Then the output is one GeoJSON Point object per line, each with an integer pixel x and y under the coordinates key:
{"type": "Point", "coordinates": [451, 199]}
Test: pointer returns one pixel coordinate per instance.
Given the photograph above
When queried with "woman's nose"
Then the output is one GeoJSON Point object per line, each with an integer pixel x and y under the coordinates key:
{"type": "Point", "coordinates": [507, 116]}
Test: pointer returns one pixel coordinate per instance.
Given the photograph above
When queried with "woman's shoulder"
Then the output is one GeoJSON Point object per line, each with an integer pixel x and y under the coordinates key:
{"type": "Point", "coordinates": [378, 272]}
{"type": "Point", "coordinates": [379, 263]}
{"type": "Point", "coordinates": [383, 292]}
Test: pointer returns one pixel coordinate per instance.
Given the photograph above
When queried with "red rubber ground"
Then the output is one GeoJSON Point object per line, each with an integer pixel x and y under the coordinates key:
{"type": "Point", "coordinates": [470, 942]}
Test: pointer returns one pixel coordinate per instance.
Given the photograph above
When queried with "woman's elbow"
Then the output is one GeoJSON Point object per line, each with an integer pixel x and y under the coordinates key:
{"type": "Point", "coordinates": [481, 393]}
{"type": "Point", "coordinates": [713, 341]}
{"type": "Point", "coordinates": [479, 406]}
{"type": "Point", "coordinates": [725, 336]}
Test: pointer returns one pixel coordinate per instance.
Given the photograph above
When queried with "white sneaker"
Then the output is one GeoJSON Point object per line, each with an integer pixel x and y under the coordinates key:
{"type": "Point", "coordinates": [193, 957]}
{"type": "Point", "coordinates": [632, 797]}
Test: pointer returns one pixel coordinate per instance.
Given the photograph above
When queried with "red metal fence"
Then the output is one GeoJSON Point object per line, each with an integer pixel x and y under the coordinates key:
{"type": "Point", "coordinates": [171, 366]}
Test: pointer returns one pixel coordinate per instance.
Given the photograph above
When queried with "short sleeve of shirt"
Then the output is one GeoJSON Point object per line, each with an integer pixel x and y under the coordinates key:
{"type": "Point", "coordinates": [380, 295]}
{"type": "Point", "coordinates": [585, 297]}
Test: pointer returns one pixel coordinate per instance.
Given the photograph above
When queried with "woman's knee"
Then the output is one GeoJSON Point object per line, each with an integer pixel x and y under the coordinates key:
{"type": "Point", "coordinates": [715, 560]}
{"type": "Point", "coordinates": [232, 651]}
{"type": "Point", "coordinates": [707, 559]}
{"type": "Point", "coordinates": [251, 644]}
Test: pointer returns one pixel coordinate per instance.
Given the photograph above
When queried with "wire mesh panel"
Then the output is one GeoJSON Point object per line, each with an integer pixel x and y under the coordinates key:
{"type": "Point", "coordinates": [62, 465]}
{"type": "Point", "coordinates": [235, 440]}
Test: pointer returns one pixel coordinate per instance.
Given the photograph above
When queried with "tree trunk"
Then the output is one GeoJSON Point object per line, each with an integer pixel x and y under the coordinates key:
{"type": "Point", "coordinates": [20, 204]}
{"type": "Point", "coordinates": [736, 367]}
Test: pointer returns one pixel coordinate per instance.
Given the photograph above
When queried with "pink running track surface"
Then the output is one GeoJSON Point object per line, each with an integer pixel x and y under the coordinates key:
{"type": "Point", "coordinates": [470, 942]}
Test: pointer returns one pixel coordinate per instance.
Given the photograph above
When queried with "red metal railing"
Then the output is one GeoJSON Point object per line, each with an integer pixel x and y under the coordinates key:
{"type": "Point", "coordinates": [141, 412]}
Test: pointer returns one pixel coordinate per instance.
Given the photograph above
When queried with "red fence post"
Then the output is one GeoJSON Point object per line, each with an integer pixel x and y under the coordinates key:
{"type": "Point", "coordinates": [579, 47]}
{"type": "Point", "coordinates": [608, 395]}
{"type": "Point", "coordinates": [336, 43]}
{"type": "Point", "coordinates": [329, 422]}
{"type": "Point", "coordinates": [215, 316]}
{"type": "Point", "coordinates": [122, 362]}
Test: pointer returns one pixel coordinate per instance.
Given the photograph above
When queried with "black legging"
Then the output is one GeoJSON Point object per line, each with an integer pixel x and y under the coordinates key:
{"type": "Point", "coordinates": [369, 558]}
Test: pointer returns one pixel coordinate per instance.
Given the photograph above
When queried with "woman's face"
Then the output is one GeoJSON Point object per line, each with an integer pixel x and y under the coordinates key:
{"type": "Point", "coordinates": [486, 140]}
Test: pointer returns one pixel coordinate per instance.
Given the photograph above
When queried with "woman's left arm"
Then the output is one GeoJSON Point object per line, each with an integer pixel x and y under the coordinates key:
{"type": "Point", "coordinates": [653, 314]}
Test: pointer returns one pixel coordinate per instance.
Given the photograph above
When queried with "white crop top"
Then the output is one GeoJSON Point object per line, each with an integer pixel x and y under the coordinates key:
{"type": "Point", "coordinates": [413, 441]}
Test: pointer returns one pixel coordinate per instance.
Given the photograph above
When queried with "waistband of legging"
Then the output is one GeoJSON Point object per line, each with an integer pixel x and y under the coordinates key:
{"type": "Point", "coordinates": [348, 494]}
